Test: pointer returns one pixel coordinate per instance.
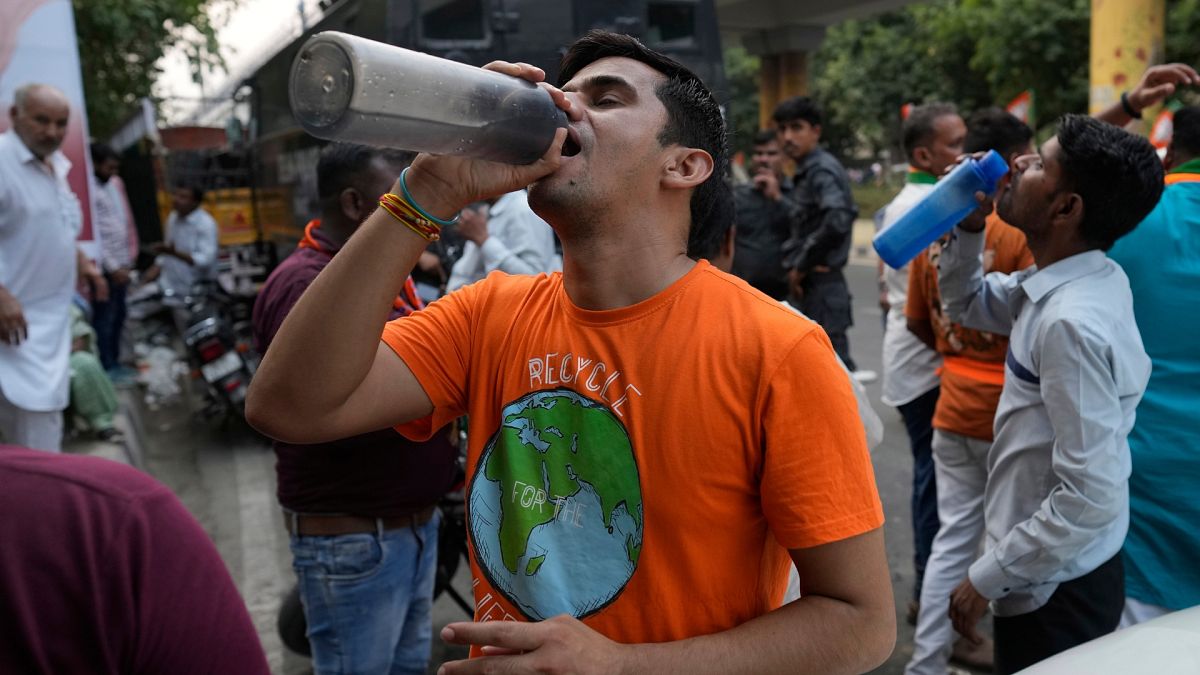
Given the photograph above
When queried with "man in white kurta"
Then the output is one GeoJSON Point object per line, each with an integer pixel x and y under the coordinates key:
{"type": "Point", "coordinates": [40, 219]}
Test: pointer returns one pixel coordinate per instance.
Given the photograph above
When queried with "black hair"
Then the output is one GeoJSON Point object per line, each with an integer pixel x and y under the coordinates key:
{"type": "Point", "coordinates": [1117, 174]}
{"type": "Point", "coordinates": [1185, 139]}
{"type": "Point", "coordinates": [919, 127]}
{"type": "Point", "coordinates": [798, 108]}
{"type": "Point", "coordinates": [765, 136]}
{"type": "Point", "coordinates": [196, 190]}
{"type": "Point", "coordinates": [997, 129]}
{"type": "Point", "coordinates": [341, 166]}
{"type": "Point", "coordinates": [694, 118]}
{"type": "Point", "coordinates": [705, 241]}
{"type": "Point", "coordinates": [102, 152]}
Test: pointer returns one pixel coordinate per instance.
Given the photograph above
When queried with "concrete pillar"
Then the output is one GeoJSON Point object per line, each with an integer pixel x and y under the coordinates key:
{"type": "Point", "coordinates": [783, 53]}
{"type": "Point", "coordinates": [782, 76]}
{"type": "Point", "coordinates": [1127, 36]}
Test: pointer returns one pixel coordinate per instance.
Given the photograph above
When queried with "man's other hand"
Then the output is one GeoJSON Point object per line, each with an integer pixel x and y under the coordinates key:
{"type": "Point", "coordinates": [559, 645]}
{"type": "Point", "coordinates": [1159, 82]}
{"type": "Point", "coordinates": [472, 225]}
{"type": "Point", "coordinates": [99, 286]}
{"type": "Point", "coordinates": [766, 182]}
{"type": "Point", "coordinates": [966, 609]}
{"type": "Point", "coordinates": [13, 329]}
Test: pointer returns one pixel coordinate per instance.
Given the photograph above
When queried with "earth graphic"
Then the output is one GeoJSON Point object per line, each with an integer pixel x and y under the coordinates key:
{"type": "Point", "coordinates": [556, 505]}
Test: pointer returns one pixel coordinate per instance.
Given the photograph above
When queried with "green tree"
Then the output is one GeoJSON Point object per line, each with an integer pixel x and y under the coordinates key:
{"type": "Point", "coordinates": [973, 53]}
{"type": "Point", "coordinates": [121, 42]}
{"type": "Point", "coordinates": [742, 74]}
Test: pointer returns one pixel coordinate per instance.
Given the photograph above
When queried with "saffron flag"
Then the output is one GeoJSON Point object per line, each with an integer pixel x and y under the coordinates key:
{"type": "Point", "coordinates": [1021, 107]}
{"type": "Point", "coordinates": [1164, 127]}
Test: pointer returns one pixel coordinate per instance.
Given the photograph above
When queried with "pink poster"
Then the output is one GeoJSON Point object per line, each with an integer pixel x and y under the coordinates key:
{"type": "Point", "coordinates": [37, 44]}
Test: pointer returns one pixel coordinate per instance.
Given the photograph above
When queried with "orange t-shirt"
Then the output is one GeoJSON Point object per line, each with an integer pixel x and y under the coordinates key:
{"type": "Point", "coordinates": [973, 360]}
{"type": "Point", "coordinates": [639, 468]}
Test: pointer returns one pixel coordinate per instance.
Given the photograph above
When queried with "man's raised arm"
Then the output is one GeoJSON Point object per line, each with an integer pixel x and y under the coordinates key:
{"type": "Point", "coordinates": [326, 374]}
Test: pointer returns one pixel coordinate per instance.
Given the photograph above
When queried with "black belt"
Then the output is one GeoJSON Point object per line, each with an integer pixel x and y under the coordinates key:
{"type": "Point", "coordinates": [309, 525]}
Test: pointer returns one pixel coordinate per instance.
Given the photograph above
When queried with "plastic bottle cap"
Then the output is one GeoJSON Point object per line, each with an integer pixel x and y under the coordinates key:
{"type": "Point", "coordinates": [993, 166]}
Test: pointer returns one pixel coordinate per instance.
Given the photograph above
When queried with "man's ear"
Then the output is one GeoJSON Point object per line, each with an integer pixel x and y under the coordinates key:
{"type": "Point", "coordinates": [920, 158]}
{"type": "Point", "coordinates": [351, 204]}
{"type": "Point", "coordinates": [817, 130]}
{"type": "Point", "coordinates": [686, 168]}
{"type": "Point", "coordinates": [1067, 210]}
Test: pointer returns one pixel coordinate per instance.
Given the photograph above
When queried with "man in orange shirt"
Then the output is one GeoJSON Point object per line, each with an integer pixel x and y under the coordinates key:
{"type": "Point", "coordinates": [972, 376]}
{"type": "Point", "coordinates": [640, 475]}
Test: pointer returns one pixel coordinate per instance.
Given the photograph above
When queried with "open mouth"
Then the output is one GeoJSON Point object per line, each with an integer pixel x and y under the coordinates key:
{"type": "Point", "coordinates": [571, 146]}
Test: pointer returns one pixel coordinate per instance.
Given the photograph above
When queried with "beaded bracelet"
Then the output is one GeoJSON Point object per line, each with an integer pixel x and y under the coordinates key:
{"type": "Point", "coordinates": [405, 213]}
{"type": "Point", "coordinates": [420, 211]}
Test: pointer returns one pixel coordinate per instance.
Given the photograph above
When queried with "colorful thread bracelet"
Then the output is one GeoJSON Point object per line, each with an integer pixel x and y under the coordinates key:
{"type": "Point", "coordinates": [413, 203]}
{"type": "Point", "coordinates": [403, 212]}
{"type": "Point", "coordinates": [421, 226]}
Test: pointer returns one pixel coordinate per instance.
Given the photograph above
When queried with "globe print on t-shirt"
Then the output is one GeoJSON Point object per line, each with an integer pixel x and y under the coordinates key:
{"type": "Point", "coordinates": [556, 505]}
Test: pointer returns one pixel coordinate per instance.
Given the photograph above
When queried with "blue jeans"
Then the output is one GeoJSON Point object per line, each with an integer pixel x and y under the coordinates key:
{"type": "Point", "coordinates": [918, 421]}
{"type": "Point", "coordinates": [108, 318]}
{"type": "Point", "coordinates": [367, 599]}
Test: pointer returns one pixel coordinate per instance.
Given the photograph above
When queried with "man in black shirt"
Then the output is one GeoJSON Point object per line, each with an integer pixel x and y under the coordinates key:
{"type": "Point", "coordinates": [820, 243]}
{"type": "Point", "coordinates": [766, 209]}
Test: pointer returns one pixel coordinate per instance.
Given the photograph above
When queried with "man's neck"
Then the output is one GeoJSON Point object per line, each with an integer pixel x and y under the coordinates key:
{"type": "Point", "coordinates": [1046, 253]}
{"type": "Point", "coordinates": [605, 272]}
{"type": "Point", "coordinates": [336, 231]}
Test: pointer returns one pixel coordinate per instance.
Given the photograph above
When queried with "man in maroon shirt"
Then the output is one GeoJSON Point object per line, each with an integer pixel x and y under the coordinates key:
{"type": "Point", "coordinates": [102, 570]}
{"type": "Point", "coordinates": [361, 510]}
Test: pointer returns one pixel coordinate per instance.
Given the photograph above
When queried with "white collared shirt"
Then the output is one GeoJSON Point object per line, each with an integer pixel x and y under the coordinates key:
{"type": "Point", "coordinates": [909, 365]}
{"type": "Point", "coordinates": [1056, 504]}
{"type": "Point", "coordinates": [196, 235]}
{"type": "Point", "coordinates": [40, 219]}
{"type": "Point", "coordinates": [519, 242]}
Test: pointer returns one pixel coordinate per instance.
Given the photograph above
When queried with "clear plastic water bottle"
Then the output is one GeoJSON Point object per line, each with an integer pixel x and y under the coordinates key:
{"type": "Point", "coordinates": [942, 209]}
{"type": "Point", "coordinates": [348, 88]}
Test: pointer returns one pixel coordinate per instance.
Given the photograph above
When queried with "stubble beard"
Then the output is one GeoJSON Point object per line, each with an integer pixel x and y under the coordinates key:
{"type": "Point", "coordinates": [569, 205]}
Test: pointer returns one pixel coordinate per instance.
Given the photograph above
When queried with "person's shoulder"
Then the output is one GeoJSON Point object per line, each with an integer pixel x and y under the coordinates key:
{"type": "Point", "coordinates": [502, 287]}
{"type": "Point", "coordinates": [825, 161]}
{"type": "Point", "coordinates": [297, 271]}
{"type": "Point", "coordinates": [1095, 300]}
{"type": "Point", "coordinates": [96, 478]}
{"type": "Point", "coordinates": [755, 310]}
{"type": "Point", "coordinates": [904, 200]}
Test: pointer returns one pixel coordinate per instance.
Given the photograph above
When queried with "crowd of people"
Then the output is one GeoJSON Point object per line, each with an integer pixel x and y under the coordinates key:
{"type": "Point", "coordinates": [664, 417]}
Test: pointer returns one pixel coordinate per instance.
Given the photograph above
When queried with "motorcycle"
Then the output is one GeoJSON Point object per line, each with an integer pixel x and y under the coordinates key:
{"type": "Point", "coordinates": [219, 343]}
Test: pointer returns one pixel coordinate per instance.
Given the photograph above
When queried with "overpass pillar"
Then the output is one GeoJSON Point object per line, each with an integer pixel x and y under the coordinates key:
{"type": "Point", "coordinates": [1127, 36]}
{"type": "Point", "coordinates": [784, 53]}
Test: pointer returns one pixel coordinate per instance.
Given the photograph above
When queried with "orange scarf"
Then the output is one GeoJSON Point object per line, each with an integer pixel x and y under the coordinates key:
{"type": "Point", "coordinates": [407, 301]}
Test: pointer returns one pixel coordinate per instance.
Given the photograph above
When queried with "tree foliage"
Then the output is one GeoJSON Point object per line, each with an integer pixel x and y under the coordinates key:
{"type": "Point", "coordinates": [121, 42]}
{"type": "Point", "coordinates": [973, 53]}
{"type": "Point", "coordinates": [742, 74]}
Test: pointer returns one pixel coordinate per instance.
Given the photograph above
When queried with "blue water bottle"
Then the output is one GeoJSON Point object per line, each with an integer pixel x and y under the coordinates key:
{"type": "Point", "coordinates": [942, 209]}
